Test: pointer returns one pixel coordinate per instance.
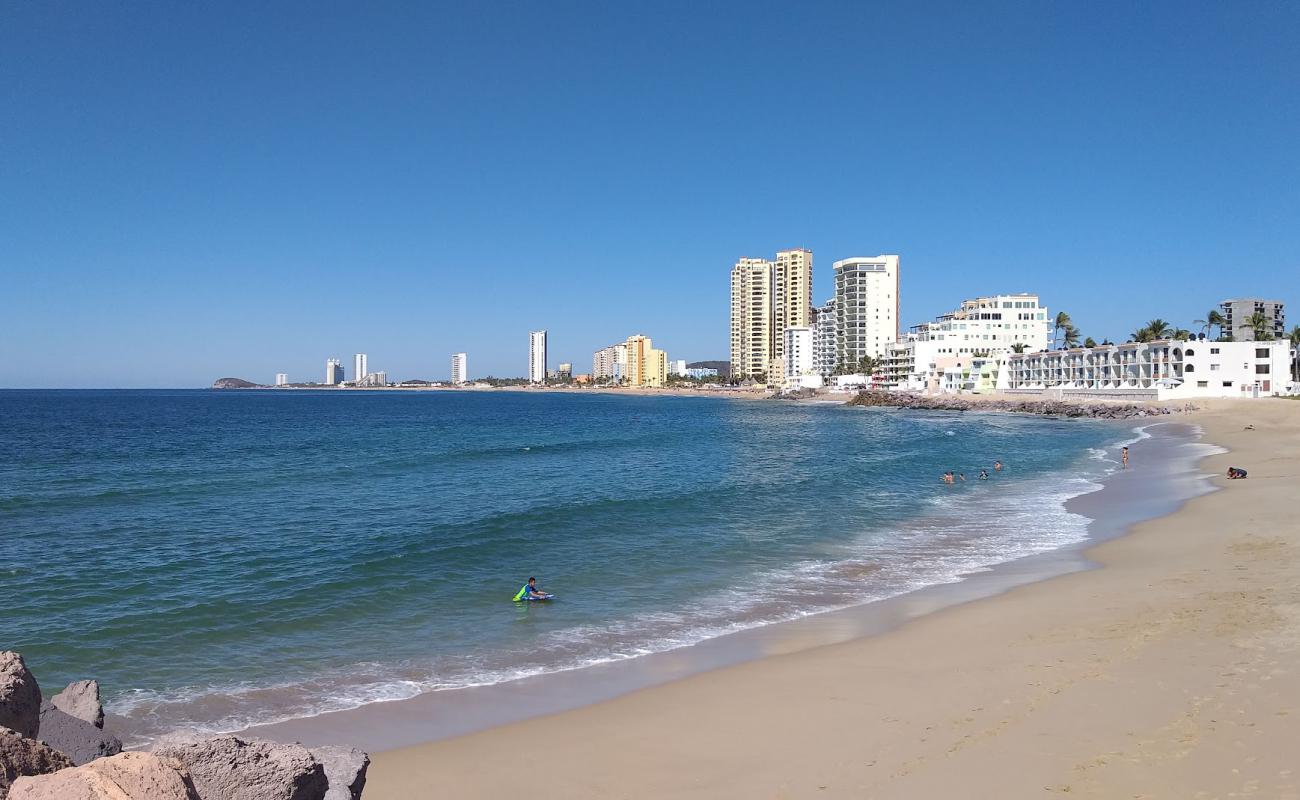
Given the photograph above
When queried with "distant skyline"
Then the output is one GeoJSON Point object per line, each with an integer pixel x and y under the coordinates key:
{"type": "Point", "coordinates": [190, 192]}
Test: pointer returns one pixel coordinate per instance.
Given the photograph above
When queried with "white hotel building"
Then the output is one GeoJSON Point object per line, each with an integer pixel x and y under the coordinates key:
{"type": "Point", "coordinates": [800, 359]}
{"type": "Point", "coordinates": [984, 329]}
{"type": "Point", "coordinates": [537, 356]}
{"type": "Point", "coordinates": [1165, 369]}
{"type": "Point", "coordinates": [459, 369]}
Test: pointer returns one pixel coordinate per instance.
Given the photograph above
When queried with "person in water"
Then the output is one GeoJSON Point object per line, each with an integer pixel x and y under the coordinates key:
{"type": "Point", "coordinates": [984, 474]}
{"type": "Point", "coordinates": [997, 466]}
{"type": "Point", "coordinates": [531, 592]}
{"type": "Point", "coordinates": [1124, 455]}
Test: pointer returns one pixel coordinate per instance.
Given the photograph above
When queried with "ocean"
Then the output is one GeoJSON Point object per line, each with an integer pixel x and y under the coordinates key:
{"type": "Point", "coordinates": [222, 559]}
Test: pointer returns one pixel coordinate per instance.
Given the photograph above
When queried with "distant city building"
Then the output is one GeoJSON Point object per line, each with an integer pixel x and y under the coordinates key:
{"type": "Point", "coordinates": [564, 371]}
{"type": "Point", "coordinates": [1237, 316]}
{"type": "Point", "coordinates": [766, 298]}
{"type": "Point", "coordinates": [360, 369]}
{"type": "Point", "coordinates": [866, 308]}
{"type": "Point", "coordinates": [333, 372]}
{"type": "Point", "coordinates": [1160, 369]}
{"type": "Point", "coordinates": [610, 363]}
{"type": "Point", "coordinates": [537, 356]}
{"type": "Point", "coordinates": [459, 369]}
{"type": "Point", "coordinates": [646, 366]}
{"type": "Point", "coordinates": [677, 367]}
{"type": "Point", "coordinates": [379, 378]}
{"type": "Point", "coordinates": [700, 373]}
{"type": "Point", "coordinates": [824, 339]}
{"type": "Point", "coordinates": [281, 379]}
{"type": "Point", "coordinates": [799, 360]}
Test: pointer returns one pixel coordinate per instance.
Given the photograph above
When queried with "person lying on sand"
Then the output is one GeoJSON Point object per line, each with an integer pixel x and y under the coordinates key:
{"type": "Point", "coordinates": [1235, 474]}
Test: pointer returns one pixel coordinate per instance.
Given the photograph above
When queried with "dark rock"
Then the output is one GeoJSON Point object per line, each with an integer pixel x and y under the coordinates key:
{"type": "Point", "coordinates": [1046, 407]}
{"type": "Point", "coordinates": [81, 700]}
{"type": "Point", "coordinates": [231, 768]}
{"type": "Point", "coordinates": [345, 769]}
{"type": "Point", "coordinates": [21, 756]}
{"type": "Point", "coordinates": [234, 383]}
{"type": "Point", "coordinates": [80, 740]}
{"type": "Point", "coordinates": [20, 696]}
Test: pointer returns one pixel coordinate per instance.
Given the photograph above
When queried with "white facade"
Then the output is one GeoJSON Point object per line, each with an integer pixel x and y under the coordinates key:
{"type": "Point", "coordinates": [824, 339]}
{"type": "Point", "coordinates": [459, 369]}
{"type": "Point", "coordinates": [800, 358]}
{"type": "Point", "coordinates": [866, 307]}
{"type": "Point", "coordinates": [609, 363]}
{"type": "Point", "coordinates": [537, 356]}
{"type": "Point", "coordinates": [360, 370]}
{"type": "Point", "coordinates": [281, 379]}
{"type": "Point", "coordinates": [677, 367]}
{"type": "Point", "coordinates": [1167, 369]}
{"type": "Point", "coordinates": [333, 372]}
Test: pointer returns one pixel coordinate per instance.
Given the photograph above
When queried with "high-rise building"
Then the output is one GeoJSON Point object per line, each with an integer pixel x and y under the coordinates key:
{"type": "Point", "coordinates": [333, 372]}
{"type": "Point", "coordinates": [791, 295]}
{"type": "Point", "coordinates": [281, 379]}
{"type": "Point", "coordinates": [1237, 315]}
{"type": "Point", "coordinates": [609, 362]}
{"type": "Point", "coordinates": [800, 358]}
{"type": "Point", "coordinates": [677, 367]}
{"type": "Point", "coordinates": [646, 366]}
{"type": "Point", "coordinates": [564, 371]}
{"type": "Point", "coordinates": [824, 339]}
{"type": "Point", "coordinates": [866, 308]}
{"type": "Point", "coordinates": [360, 369]}
{"type": "Point", "coordinates": [751, 318]}
{"type": "Point", "coordinates": [459, 368]}
{"type": "Point", "coordinates": [537, 356]}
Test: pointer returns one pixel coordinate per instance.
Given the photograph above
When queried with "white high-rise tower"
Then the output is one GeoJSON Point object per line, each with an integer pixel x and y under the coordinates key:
{"type": "Point", "coordinates": [537, 356]}
{"type": "Point", "coordinates": [459, 368]}
{"type": "Point", "coordinates": [333, 372]}
{"type": "Point", "coordinates": [359, 369]}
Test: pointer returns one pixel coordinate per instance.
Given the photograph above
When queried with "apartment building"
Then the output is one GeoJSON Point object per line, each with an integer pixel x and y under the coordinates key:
{"type": "Point", "coordinates": [1237, 316]}
{"type": "Point", "coordinates": [824, 339]}
{"type": "Point", "coordinates": [866, 307]}
{"type": "Point", "coordinates": [800, 360]}
{"type": "Point", "coordinates": [459, 369]}
{"type": "Point", "coordinates": [537, 356]}
{"type": "Point", "coordinates": [646, 366]}
{"type": "Point", "coordinates": [1161, 369]}
{"type": "Point", "coordinates": [751, 317]}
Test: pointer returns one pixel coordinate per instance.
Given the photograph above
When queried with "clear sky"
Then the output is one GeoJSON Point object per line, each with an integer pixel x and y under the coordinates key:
{"type": "Point", "coordinates": [197, 190]}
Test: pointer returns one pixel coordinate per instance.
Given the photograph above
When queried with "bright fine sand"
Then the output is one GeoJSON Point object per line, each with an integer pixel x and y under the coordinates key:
{"type": "Point", "coordinates": [1172, 672]}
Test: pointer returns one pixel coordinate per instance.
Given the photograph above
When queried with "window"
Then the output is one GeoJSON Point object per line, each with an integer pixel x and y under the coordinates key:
{"type": "Point", "coordinates": [1190, 353]}
{"type": "Point", "coordinates": [1261, 369]}
{"type": "Point", "coordinates": [1261, 352]}
{"type": "Point", "coordinates": [1189, 368]}
{"type": "Point", "coordinates": [1202, 384]}
{"type": "Point", "coordinates": [1227, 384]}
{"type": "Point", "coordinates": [1214, 368]}
{"type": "Point", "coordinates": [1214, 351]}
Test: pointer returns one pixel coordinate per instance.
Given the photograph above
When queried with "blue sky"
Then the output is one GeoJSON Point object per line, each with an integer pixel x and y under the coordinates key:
{"type": "Point", "coordinates": [197, 190]}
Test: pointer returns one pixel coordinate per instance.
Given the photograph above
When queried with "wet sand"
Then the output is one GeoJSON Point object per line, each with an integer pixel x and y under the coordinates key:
{"type": "Point", "coordinates": [1171, 672]}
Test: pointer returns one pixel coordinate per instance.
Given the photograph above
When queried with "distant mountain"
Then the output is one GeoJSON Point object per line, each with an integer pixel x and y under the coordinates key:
{"type": "Point", "coordinates": [234, 383]}
{"type": "Point", "coordinates": [723, 367]}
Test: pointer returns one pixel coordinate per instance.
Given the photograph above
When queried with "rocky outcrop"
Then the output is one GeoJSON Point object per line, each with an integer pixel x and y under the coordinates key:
{"type": "Point", "coordinates": [231, 768]}
{"type": "Point", "coordinates": [80, 740]}
{"type": "Point", "coordinates": [128, 776]}
{"type": "Point", "coordinates": [22, 756]}
{"type": "Point", "coordinates": [345, 771]}
{"type": "Point", "coordinates": [234, 383]}
{"type": "Point", "coordinates": [81, 700]}
{"type": "Point", "coordinates": [1056, 408]}
{"type": "Point", "coordinates": [20, 696]}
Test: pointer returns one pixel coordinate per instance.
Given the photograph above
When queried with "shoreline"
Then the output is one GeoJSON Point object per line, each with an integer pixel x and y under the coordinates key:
{"type": "Point", "coordinates": [672, 714]}
{"type": "Point", "coordinates": [437, 715]}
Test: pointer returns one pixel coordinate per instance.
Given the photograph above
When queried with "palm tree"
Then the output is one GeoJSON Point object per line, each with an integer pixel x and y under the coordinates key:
{"type": "Point", "coordinates": [1159, 329]}
{"type": "Point", "coordinates": [1213, 319]}
{"type": "Point", "coordinates": [1019, 347]}
{"type": "Point", "coordinates": [1141, 335]}
{"type": "Point", "coordinates": [1261, 325]}
{"type": "Point", "coordinates": [1090, 342]}
{"type": "Point", "coordinates": [1070, 338]}
{"type": "Point", "coordinates": [1062, 321]}
{"type": "Point", "coordinates": [1182, 334]}
{"type": "Point", "coordinates": [1295, 346]}
{"type": "Point", "coordinates": [867, 365]}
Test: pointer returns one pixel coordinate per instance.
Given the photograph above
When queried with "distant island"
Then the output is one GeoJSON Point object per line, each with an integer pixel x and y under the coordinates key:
{"type": "Point", "coordinates": [235, 383]}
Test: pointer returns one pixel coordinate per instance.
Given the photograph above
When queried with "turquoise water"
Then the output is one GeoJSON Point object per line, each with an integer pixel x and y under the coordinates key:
{"type": "Point", "coordinates": [217, 559]}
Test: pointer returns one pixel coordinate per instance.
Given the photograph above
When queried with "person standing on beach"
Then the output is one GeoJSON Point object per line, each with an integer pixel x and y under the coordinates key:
{"type": "Point", "coordinates": [1123, 455]}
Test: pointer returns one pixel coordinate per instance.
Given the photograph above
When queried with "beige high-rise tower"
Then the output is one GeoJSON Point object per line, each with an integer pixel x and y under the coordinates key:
{"type": "Point", "coordinates": [751, 317]}
{"type": "Point", "coordinates": [766, 298]}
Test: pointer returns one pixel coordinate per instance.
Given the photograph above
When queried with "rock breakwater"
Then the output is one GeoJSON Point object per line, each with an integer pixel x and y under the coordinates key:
{"type": "Point", "coordinates": [1092, 409]}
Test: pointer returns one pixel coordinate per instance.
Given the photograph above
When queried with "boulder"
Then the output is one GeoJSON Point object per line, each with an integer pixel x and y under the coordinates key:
{"type": "Point", "coordinates": [80, 740]}
{"type": "Point", "coordinates": [345, 771]}
{"type": "Point", "coordinates": [81, 700]}
{"type": "Point", "coordinates": [20, 696]}
{"type": "Point", "coordinates": [126, 776]}
{"type": "Point", "coordinates": [21, 756]}
{"type": "Point", "coordinates": [230, 768]}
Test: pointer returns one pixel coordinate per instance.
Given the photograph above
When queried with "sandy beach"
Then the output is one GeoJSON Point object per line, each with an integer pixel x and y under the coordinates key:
{"type": "Point", "coordinates": [1169, 672]}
